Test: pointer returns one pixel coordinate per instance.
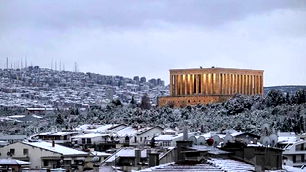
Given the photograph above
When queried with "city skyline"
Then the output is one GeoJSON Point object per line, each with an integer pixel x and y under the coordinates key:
{"type": "Point", "coordinates": [150, 37]}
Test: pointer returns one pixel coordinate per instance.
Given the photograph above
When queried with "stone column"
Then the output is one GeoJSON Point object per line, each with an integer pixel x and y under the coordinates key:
{"type": "Point", "coordinates": [221, 83]}
{"type": "Point", "coordinates": [250, 82]}
{"type": "Point", "coordinates": [205, 83]}
{"type": "Point", "coordinates": [171, 86]}
{"type": "Point", "coordinates": [249, 85]}
{"type": "Point", "coordinates": [175, 85]}
{"type": "Point", "coordinates": [253, 84]}
{"type": "Point", "coordinates": [239, 84]}
{"type": "Point", "coordinates": [192, 85]}
{"type": "Point", "coordinates": [202, 84]}
{"type": "Point", "coordinates": [213, 84]}
{"type": "Point", "coordinates": [261, 85]}
{"type": "Point", "coordinates": [178, 85]}
{"type": "Point", "coordinates": [230, 84]}
{"type": "Point", "coordinates": [225, 87]}
{"type": "Point", "coordinates": [235, 83]}
{"type": "Point", "coordinates": [218, 83]}
{"type": "Point", "coordinates": [189, 85]}
{"type": "Point", "coordinates": [243, 84]}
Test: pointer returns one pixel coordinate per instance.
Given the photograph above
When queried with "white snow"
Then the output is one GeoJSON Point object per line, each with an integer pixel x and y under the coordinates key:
{"type": "Point", "coordinates": [36, 116]}
{"type": "Point", "coordinates": [16, 116]}
{"type": "Point", "coordinates": [127, 131]}
{"type": "Point", "coordinates": [96, 153]}
{"type": "Point", "coordinates": [90, 135]}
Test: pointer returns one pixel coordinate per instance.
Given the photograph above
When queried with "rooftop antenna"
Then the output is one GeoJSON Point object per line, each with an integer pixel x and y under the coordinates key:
{"type": "Point", "coordinates": [7, 62]}
{"type": "Point", "coordinates": [26, 64]}
{"type": "Point", "coordinates": [75, 67]}
{"type": "Point", "coordinates": [21, 63]}
{"type": "Point", "coordinates": [52, 64]}
{"type": "Point", "coordinates": [216, 139]}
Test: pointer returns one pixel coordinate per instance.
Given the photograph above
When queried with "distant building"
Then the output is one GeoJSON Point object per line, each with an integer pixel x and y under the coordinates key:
{"type": "Point", "coordinates": [209, 85]}
{"type": "Point", "coordinates": [153, 82]}
{"type": "Point", "coordinates": [136, 78]}
{"type": "Point", "coordinates": [143, 79]}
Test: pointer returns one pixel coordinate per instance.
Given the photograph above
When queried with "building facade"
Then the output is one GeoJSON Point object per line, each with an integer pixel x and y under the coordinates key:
{"type": "Point", "coordinates": [209, 85]}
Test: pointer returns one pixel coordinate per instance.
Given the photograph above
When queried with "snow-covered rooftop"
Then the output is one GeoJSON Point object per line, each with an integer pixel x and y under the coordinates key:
{"type": "Point", "coordinates": [167, 137]}
{"type": "Point", "coordinates": [96, 153]}
{"type": "Point", "coordinates": [125, 152]}
{"type": "Point", "coordinates": [57, 148]}
{"type": "Point", "coordinates": [230, 165]}
{"type": "Point", "coordinates": [127, 131]}
{"type": "Point", "coordinates": [90, 135]}
{"type": "Point", "coordinates": [13, 162]}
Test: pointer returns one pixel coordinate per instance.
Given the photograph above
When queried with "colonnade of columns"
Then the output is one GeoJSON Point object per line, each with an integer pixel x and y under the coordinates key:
{"type": "Point", "coordinates": [215, 84]}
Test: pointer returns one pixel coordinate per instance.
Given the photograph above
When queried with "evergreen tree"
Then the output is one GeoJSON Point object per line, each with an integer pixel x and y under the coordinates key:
{"type": "Point", "coordinates": [145, 102]}
{"type": "Point", "coordinates": [59, 119]}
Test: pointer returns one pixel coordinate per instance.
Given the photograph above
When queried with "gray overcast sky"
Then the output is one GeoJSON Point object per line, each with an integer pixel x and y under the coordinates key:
{"type": "Point", "coordinates": [149, 37]}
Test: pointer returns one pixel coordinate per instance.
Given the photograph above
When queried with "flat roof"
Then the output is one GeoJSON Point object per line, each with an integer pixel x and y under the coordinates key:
{"type": "Point", "coordinates": [216, 69]}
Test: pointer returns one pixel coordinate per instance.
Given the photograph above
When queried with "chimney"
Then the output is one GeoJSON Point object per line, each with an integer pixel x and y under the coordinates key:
{"type": "Point", "coordinates": [153, 159]}
{"type": "Point", "coordinates": [148, 152]}
{"type": "Point", "coordinates": [185, 134]}
{"type": "Point", "coordinates": [137, 156]}
{"type": "Point", "coordinates": [53, 143]}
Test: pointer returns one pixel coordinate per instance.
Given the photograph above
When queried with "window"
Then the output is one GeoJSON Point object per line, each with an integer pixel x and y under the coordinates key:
{"type": "Point", "coordinates": [12, 151]}
{"type": "Point", "coordinates": [83, 140]}
{"type": "Point", "coordinates": [89, 140]}
{"type": "Point", "coordinates": [25, 151]}
{"type": "Point", "coordinates": [294, 158]}
{"type": "Point", "coordinates": [46, 163]}
{"type": "Point", "coordinates": [140, 139]}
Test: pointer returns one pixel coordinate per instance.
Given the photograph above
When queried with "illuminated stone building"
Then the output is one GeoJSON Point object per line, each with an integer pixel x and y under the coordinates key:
{"type": "Point", "coordinates": [209, 85]}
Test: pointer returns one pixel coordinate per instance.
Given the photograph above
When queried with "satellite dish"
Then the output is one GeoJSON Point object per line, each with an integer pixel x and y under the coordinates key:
{"type": "Point", "coordinates": [216, 139]}
{"type": "Point", "coordinates": [228, 138]}
{"type": "Point", "coordinates": [265, 129]}
{"type": "Point", "coordinates": [266, 141]}
{"type": "Point", "coordinates": [273, 139]}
